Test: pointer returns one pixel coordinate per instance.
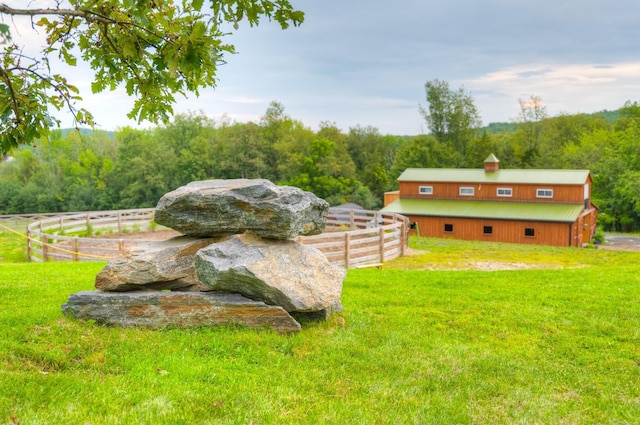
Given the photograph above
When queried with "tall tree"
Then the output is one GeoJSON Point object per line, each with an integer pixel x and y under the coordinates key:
{"type": "Point", "coordinates": [478, 150]}
{"type": "Point", "coordinates": [154, 48]}
{"type": "Point", "coordinates": [422, 152]}
{"type": "Point", "coordinates": [530, 130]}
{"type": "Point", "coordinates": [326, 170]}
{"type": "Point", "coordinates": [373, 155]}
{"type": "Point", "coordinates": [241, 153]}
{"type": "Point", "coordinates": [189, 136]}
{"type": "Point", "coordinates": [277, 131]}
{"type": "Point", "coordinates": [630, 113]}
{"type": "Point", "coordinates": [144, 169]}
{"type": "Point", "coordinates": [452, 116]}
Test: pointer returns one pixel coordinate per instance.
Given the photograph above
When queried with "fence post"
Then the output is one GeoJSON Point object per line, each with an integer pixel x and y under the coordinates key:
{"type": "Point", "coordinates": [381, 231]}
{"type": "Point", "coordinates": [347, 242]}
{"type": "Point", "coordinates": [352, 219]}
{"type": "Point", "coordinates": [76, 254]}
{"type": "Point", "coordinates": [119, 222]}
{"type": "Point", "coordinates": [403, 238]}
{"type": "Point", "coordinates": [45, 242]}
{"type": "Point", "coordinates": [120, 246]}
{"type": "Point", "coordinates": [28, 244]}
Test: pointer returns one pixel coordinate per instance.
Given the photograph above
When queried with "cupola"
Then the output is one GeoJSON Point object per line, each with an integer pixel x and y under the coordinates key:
{"type": "Point", "coordinates": [491, 164]}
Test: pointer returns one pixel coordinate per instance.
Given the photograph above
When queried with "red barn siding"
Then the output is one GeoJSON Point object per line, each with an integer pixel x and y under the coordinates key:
{"type": "Point", "coordinates": [563, 194]}
{"type": "Point", "coordinates": [389, 197]}
{"type": "Point", "coordinates": [555, 234]}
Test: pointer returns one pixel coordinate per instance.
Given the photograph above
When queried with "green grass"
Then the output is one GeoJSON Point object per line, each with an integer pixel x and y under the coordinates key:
{"type": "Point", "coordinates": [13, 243]}
{"type": "Point", "coordinates": [451, 254]}
{"type": "Point", "coordinates": [539, 346]}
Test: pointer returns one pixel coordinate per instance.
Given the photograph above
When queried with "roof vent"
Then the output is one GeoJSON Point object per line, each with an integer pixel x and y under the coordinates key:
{"type": "Point", "coordinates": [491, 164]}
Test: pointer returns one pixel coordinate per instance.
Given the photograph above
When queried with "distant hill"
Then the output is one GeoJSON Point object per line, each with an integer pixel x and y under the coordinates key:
{"type": "Point", "coordinates": [84, 131]}
{"type": "Point", "coordinates": [499, 127]}
{"type": "Point", "coordinates": [510, 127]}
{"type": "Point", "coordinates": [608, 116]}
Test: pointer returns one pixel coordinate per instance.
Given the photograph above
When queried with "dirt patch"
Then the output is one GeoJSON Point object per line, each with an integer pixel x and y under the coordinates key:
{"type": "Point", "coordinates": [158, 235]}
{"type": "Point", "coordinates": [498, 265]}
{"type": "Point", "coordinates": [483, 265]}
{"type": "Point", "coordinates": [488, 266]}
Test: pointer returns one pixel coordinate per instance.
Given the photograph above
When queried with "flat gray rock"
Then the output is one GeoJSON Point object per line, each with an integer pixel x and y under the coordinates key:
{"type": "Point", "coordinates": [160, 265]}
{"type": "Point", "coordinates": [155, 309]}
{"type": "Point", "coordinates": [296, 277]}
{"type": "Point", "coordinates": [228, 207]}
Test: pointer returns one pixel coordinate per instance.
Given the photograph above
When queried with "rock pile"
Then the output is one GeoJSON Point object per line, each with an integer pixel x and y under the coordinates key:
{"type": "Point", "coordinates": [235, 264]}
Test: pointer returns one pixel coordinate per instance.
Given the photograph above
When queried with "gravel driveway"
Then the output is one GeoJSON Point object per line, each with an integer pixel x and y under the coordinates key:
{"type": "Point", "coordinates": [621, 242]}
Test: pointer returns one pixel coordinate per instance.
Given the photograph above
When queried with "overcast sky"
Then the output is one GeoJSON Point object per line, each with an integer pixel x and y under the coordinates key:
{"type": "Point", "coordinates": [365, 62]}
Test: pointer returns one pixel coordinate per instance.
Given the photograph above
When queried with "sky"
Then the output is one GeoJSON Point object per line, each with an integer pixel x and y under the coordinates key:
{"type": "Point", "coordinates": [365, 62]}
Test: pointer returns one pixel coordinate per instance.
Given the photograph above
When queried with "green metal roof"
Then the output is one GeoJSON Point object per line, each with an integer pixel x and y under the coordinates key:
{"type": "Point", "coordinates": [487, 209]}
{"type": "Point", "coordinates": [472, 175]}
{"type": "Point", "coordinates": [491, 158]}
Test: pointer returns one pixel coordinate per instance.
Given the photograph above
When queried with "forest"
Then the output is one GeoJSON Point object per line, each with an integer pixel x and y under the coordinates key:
{"type": "Point", "coordinates": [133, 168]}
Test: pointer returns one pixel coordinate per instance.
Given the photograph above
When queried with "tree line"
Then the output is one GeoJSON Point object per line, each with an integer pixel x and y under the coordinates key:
{"type": "Point", "coordinates": [133, 168]}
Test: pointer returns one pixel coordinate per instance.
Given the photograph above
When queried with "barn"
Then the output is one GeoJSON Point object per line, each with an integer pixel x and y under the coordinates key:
{"type": "Point", "coordinates": [545, 207]}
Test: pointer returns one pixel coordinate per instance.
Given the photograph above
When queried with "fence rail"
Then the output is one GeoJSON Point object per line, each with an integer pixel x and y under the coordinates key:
{"type": "Point", "coordinates": [352, 238]}
{"type": "Point", "coordinates": [361, 238]}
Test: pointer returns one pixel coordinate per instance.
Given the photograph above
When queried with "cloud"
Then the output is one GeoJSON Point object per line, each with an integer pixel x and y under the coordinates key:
{"type": "Point", "coordinates": [564, 88]}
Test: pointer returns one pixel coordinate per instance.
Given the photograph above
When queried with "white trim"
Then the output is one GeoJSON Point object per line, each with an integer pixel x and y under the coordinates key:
{"type": "Point", "coordinates": [425, 190]}
{"type": "Point", "coordinates": [467, 191]}
{"type": "Point", "coordinates": [544, 193]}
{"type": "Point", "coordinates": [508, 192]}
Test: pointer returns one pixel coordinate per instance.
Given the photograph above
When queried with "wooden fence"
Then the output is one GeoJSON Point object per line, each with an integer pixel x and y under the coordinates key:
{"type": "Point", "coordinates": [74, 237]}
{"type": "Point", "coordinates": [361, 238]}
{"type": "Point", "coordinates": [352, 238]}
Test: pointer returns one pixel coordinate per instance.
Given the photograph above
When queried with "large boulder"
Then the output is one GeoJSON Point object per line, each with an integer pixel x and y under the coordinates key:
{"type": "Point", "coordinates": [285, 273]}
{"type": "Point", "coordinates": [160, 265]}
{"type": "Point", "coordinates": [155, 309]}
{"type": "Point", "coordinates": [228, 207]}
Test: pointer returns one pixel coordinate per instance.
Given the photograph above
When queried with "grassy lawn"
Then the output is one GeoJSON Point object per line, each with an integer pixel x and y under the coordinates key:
{"type": "Point", "coordinates": [416, 344]}
{"type": "Point", "coordinates": [13, 244]}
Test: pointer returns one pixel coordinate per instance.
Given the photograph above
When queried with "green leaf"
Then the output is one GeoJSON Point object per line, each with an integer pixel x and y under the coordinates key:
{"type": "Point", "coordinates": [5, 33]}
{"type": "Point", "coordinates": [69, 58]}
{"type": "Point", "coordinates": [197, 5]}
{"type": "Point", "coordinates": [198, 30]}
{"type": "Point", "coordinates": [97, 86]}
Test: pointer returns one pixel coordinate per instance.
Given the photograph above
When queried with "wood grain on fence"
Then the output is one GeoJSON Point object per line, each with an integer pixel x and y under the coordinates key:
{"type": "Point", "coordinates": [352, 238]}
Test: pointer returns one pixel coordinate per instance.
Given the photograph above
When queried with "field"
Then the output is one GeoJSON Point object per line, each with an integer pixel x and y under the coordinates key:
{"type": "Point", "coordinates": [457, 333]}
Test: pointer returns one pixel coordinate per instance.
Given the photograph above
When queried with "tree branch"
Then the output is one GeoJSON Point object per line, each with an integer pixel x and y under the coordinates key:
{"type": "Point", "coordinates": [14, 101]}
{"type": "Point", "coordinates": [86, 14]}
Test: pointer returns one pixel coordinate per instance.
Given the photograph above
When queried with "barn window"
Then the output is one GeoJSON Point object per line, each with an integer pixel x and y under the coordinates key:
{"type": "Point", "coordinates": [467, 191]}
{"type": "Point", "coordinates": [487, 230]}
{"type": "Point", "coordinates": [448, 227]}
{"type": "Point", "coordinates": [504, 191]}
{"type": "Point", "coordinates": [425, 190]}
{"type": "Point", "coordinates": [529, 232]}
{"type": "Point", "coordinates": [544, 193]}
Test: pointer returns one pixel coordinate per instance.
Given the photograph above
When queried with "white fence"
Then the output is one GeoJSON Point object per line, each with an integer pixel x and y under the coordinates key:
{"type": "Point", "coordinates": [352, 238]}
